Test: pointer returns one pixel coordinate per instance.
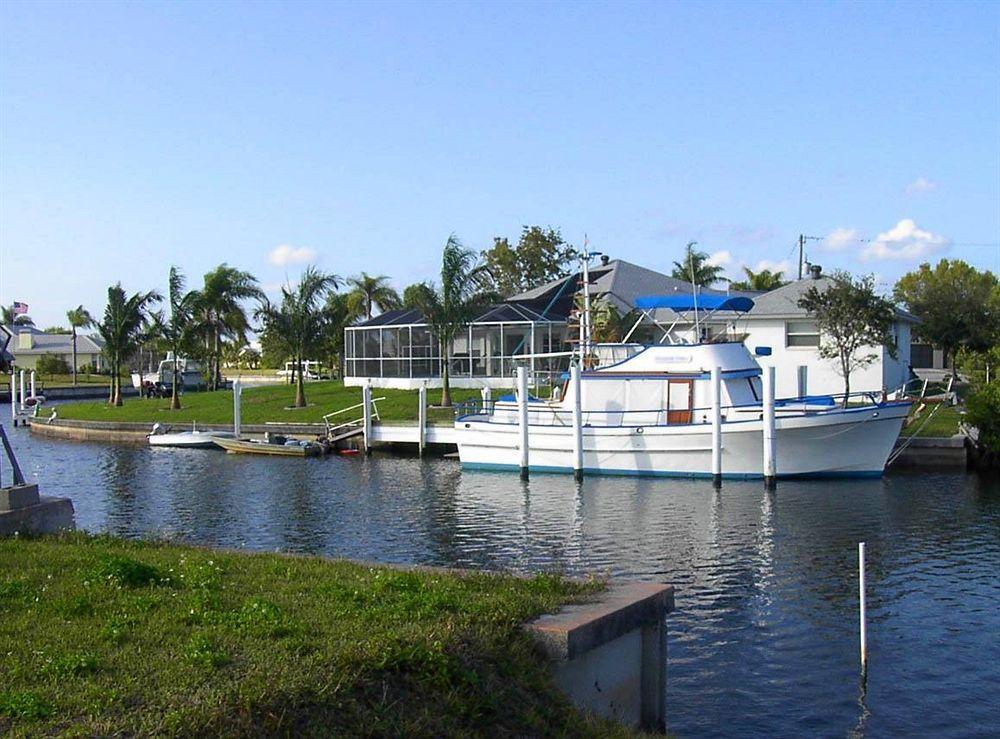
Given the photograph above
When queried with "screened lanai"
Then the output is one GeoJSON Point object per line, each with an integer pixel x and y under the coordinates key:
{"type": "Point", "coordinates": [398, 349]}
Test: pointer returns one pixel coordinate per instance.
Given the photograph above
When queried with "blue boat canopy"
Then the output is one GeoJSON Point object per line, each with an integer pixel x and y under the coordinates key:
{"type": "Point", "coordinates": [687, 302]}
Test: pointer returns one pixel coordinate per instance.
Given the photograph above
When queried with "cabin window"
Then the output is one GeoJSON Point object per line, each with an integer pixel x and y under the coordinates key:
{"type": "Point", "coordinates": [801, 333]}
{"type": "Point", "coordinates": [679, 394]}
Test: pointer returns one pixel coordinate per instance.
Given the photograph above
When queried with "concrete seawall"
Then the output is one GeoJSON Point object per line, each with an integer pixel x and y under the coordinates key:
{"type": "Point", "coordinates": [932, 453]}
{"type": "Point", "coordinates": [135, 433]}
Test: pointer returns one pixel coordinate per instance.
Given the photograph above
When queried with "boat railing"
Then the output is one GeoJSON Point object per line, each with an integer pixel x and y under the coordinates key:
{"type": "Point", "coordinates": [334, 426]}
{"type": "Point", "coordinates": [543, 413]}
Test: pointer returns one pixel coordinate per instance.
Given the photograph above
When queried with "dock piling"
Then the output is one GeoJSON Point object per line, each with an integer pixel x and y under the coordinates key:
{"type": "Point", "coordinates": [366, 404]}
{"type": "Point", "coordinates": [770, 463]}
{"type": "Point", "coordinates": [717, 426]}
{"type": "Point", "coordinates": [22, 390]}
{"type": "Point", "coordinates": [33, 393]}
{"type": "Point", "coordinates": [237, 407]}
{"type": "Point", "coordinates": [13, 399]}
{"type": "Point", "coordinates": [574, 374]}
{"type": "Point", "coordinates": [422, 418]}
{"type": "Point", "coordinates": [522, 418]}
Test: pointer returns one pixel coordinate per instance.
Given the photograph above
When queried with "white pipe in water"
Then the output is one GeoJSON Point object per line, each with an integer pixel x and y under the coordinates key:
{"type": "Point", "coordinates": [13, 399]}
{"type": "Point", "coordinates": [422, 416]}
{"type": "Point", "coordinates": [863, 606]}
{"type": "Point", "coordinates": [717, 425]}
{"type": "Point", "coordinates": [366, 404]}
{"type": "Point", "coordinates": [574, 376]}
{"type": "Point", "coordinates": [22, 390]}
{"type": "Point", "coordinates": [33, 393]}
{"type": "Point", "coordinates": [237, 407]}
{"type": "Point", "coordinates": [770, 462]}
{"type": "Point", "coordinates": [522, 417]}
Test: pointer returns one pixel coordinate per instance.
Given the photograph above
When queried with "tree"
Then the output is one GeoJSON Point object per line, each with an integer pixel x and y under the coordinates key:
{"type": "Point", "coordinates": [54, 330]}
{"type": "Point", "coordinates": [10, 318]}
{"type": "Point", "coordinates": [338, 317]}
{"type": "Point", "coordinates": [416, 295]}
{"type": "Point", "coordinates": [299, 322]}
{"type": "Point", "coordinates": [696, 268]}
{"type": "Point", "coordinates": [122, 331]}
{"type": "Point", "coordinates": [219, 309]}
{"type": "Point", "coordinates": [541, 255]}
{"type": "Point", "coordinates": [368, 293]}
{"type": "Point", "coordinates": [78, 318]}
{"type": "Point", "coordinates": [765, 280]}
{"type": "Point", "coordinates": [952, 301]}
{"type": "Point", "coordinates": [851, 317]}
{"type": "Point", "coordinates": [175, 329]}
{"type": "Point", "coordinates": [448, 307]}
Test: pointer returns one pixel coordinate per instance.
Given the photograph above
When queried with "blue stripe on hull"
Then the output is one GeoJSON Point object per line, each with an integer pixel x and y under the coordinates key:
{"type": "Point", "coordinates": [494, 467]}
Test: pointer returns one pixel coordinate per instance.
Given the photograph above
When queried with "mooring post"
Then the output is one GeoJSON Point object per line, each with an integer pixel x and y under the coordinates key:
{"type": "Point", "coordinates": [237, 407]}
{"type": "Point", "coordinates": [22, 390]}
{"type": "Point", "coordinates": [862, 607]}
{"type": "Point", "coordinates": [522, 418]}
{"type": "Point", "coordinates": [422, 417]}
{"type": "Point", "coordinates": [13, 399]}
{"type": "Point", "coordinates": [717, 426]}
{"type": "Point", "coordinates": [770, 464]}
{"type": "Point", "coordinates": [366, 415]}
{"type": "Point", "coordinates": [574, 376]}
{"type": "Point", "coordinates": [33, 393]}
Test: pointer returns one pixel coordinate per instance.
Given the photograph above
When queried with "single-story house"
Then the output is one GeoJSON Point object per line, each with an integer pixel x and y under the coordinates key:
{"type": "Point", "coordinates": [29, 344]}
{"type": "Point", "coordinates": [396, 348]}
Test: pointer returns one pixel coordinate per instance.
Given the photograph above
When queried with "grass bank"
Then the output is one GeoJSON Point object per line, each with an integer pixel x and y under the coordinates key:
{"type": "Point", "coordinates": [943, 423]}
{"type": "Point", "coordinates": [51, 381]}
{"type": "Point", "coordinates": [262, 404]}
{"type": "Point", "coordinates": [110, 637]}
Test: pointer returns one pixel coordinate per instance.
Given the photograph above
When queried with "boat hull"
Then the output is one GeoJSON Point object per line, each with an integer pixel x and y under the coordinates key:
{"type": "Point", "coordinates": [845, 443]}
{"type": "Point", "coordinates": [242, 446]}
{"type": "Point", "coordinates": [189, 439]}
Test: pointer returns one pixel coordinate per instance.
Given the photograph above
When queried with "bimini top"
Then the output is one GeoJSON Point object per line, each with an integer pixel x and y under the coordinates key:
{"type": "Point", "coordinates": [687, 302]}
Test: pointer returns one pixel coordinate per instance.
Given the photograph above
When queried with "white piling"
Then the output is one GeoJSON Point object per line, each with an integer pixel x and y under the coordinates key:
{"type": "Point", "coordinates": [366, 404]}
{"type": "Point", "coordinates": [33, 393]}
{"type": "Point", "coordinates": [13, 400]}
{"type": "Point", "coordinates": [422, 417]}
{"type": "Point", "coordinates": [574, 376]}
{"type": "Point", "coordinates": [862, 606]}
{"type": "Point", "coordinates": [22, 390]}
{"type": "Point", "coordinates": [717, 426]}
{"type": "Point", "coordinates": [770, 463]}
{"type": "Point", "coordinates": [522, 418]}
{"type": "Point", "coordinates": [237, 407]}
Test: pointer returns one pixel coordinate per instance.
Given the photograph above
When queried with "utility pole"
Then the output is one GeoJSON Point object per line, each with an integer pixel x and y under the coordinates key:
{"type": "Point", "coordinates": [802, 252]}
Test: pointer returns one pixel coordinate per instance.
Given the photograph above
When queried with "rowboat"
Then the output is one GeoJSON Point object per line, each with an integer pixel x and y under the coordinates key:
{"type": "Point", "coordinates": [289, 448]}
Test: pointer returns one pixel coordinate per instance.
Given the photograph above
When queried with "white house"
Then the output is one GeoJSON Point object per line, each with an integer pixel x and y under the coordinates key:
{"type": "Point", "coordinates": [28, 345]}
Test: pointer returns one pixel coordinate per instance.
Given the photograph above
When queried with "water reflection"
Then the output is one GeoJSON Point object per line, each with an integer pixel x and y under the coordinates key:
{"type": "Point", "coordinates": [765, 636]}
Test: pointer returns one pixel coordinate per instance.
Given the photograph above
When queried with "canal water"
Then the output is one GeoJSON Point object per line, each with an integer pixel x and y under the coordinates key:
{"type": "Point", "coordinates": [764, 641]}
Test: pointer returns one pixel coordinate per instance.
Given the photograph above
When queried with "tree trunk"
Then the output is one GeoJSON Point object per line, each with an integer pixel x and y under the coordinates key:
{"type": "Point", "coordinates": [175, 400]}
{"type": "Point", "coordinates": [445, 374]}
{"type": "Point", "coordinates": [111, 390]}
{"type": "Point", "coordinates": [217, 371]}
{"type": "Point", "coordinates": [300, 391]}
{"type": "Point", "coordinates": [116, 383]}
{"type": "Point", "coordinates": [74, 356]}
{"type": "Point", "coordinates": [847, 381]}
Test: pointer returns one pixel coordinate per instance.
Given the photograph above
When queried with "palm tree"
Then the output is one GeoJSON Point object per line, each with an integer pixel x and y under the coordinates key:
{"type": "Point", "coordinates": [9, 318]}
{"type": "Point", "coordinates": [368, 293]}
{"type": "Point", "coordinates": [299, 322]}
{"type": "Point", "coordinates": [765, 280]}
{"type": "Point", "coordinates": [175, 329]}
{"type": "Point", "coordinates": [78, 317]}
{"type": "Point", "coordinates": [696, 268]}
{"type": "Point", "coordinates": [122, 331]}
{"type": "Point", "coordinates": [220, 312]}
{"type": "Point", "coordinates": [448, 307]}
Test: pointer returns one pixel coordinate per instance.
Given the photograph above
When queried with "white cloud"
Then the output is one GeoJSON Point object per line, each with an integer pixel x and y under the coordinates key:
{"type": "Point", "coordinates": [283, 255]}
{"type": "Point", "coordinates": [840, 239]}
{"type": "Point", "coordinates": [905, 240]}
{"type": "Point", "coordinates": [921, 186]}
{"type": "Point", "coordinates": [721, 258]}
{"type": "Point", "coordinates": [782, 266]}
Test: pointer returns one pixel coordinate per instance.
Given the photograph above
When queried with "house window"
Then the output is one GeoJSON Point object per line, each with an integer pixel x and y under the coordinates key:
{"type": "Point", "coordinates": [801, 333]}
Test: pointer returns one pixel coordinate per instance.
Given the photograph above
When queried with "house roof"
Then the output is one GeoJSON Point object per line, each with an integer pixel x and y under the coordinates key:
{"type": "Point", "coordinates": [509, 312]}
{"type": "Point", "coordinates": [53, 343]}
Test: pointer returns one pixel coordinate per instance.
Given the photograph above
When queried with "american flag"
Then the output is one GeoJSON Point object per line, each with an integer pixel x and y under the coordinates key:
{"type": "Point", "coordinates": [20, 309]}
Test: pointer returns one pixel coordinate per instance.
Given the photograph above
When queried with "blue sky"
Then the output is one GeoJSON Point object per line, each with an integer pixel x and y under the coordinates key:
{"type": "Point", "coordinates": [359, 135]}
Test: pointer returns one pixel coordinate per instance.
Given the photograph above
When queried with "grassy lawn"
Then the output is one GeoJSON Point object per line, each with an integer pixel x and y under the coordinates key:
{"type": "Point", "coordinates": [109, 637]}
{"type": "Point", "coordinates": [944, 422]}
{"type": "Point", "coordinates": [268, 403]}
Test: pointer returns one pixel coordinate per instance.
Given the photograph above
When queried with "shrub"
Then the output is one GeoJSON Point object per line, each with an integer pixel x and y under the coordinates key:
{"type": "Point", "coordinates": [127, 572]}
{"type": "Point", "coordinates": [983, 406]}
{"type": "Point", "coordinates": [52, 364]}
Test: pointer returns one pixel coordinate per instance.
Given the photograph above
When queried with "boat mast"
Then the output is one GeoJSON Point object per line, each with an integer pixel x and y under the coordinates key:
{"type": "Point", "coordinates": [694, 294]}
{"type": "Point", "coordinates": [585, 319]}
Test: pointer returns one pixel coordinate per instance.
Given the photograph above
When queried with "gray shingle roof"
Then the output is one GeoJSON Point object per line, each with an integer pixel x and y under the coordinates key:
{"type": "Point", "coordinates": [44, 343]}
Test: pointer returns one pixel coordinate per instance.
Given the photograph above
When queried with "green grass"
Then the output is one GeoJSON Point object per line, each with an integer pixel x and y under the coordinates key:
{"type": "Point", "coordinates": [108, 637]}
{"type": "Point", "coordinates": [943, 423]}
{"type": "Point", "coordinates": [268, 403]}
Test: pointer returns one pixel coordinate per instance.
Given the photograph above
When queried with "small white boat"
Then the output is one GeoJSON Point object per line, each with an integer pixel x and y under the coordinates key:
{"type": "Point", "coordinates": [193, 439]}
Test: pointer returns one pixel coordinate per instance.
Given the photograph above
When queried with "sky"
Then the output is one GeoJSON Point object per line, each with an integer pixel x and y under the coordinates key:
{"type": "Point", "coordinates": [358, 136]}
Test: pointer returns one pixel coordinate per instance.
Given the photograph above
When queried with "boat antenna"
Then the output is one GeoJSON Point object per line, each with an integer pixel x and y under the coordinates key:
{"type": "Point", "coordinates": [694, 293]}
{"type": "Point", "coordinates": [585, 319]}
